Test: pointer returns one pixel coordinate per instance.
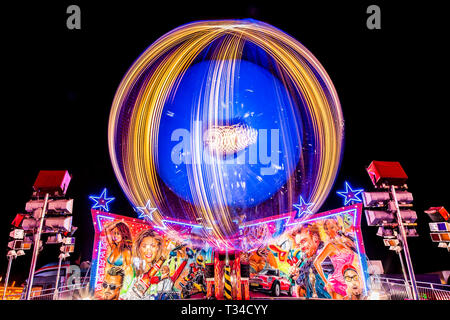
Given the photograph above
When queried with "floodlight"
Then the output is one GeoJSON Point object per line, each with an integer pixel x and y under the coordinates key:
{"type": "Point", "coordinates": [15, 244]}
{"type": "Point", "coordinates": [67, 248]}
{"type": "Point", "coordinates": [20, 253]}
{"type": "Point", "coordinates": [17, 222]}
{"type": "Point", "coordinates": [445, 236]}
{"type": "Point", "coordinates": [11, 253]}
{"type": "Point", "coordinates": [391, 242]}
{"type": "Point", "coordinates": [61, 206]}
{"type": "Point", "coordinates": [51, 224]}
{"type": "Point", "coordinates": [54, 239]}
{"type": "Point", "coordinates": [58, 206]}
{"type": "Point", "coordinates": [411, 232]}
{"type": "Point", "coordinates": [437, 214]}
{"type": "Point", "coordinates": [376, 217]}
{"type": "Point", "coordinates": [54, 182]}
{"type": "Point", "coordinates": [17, 234]}
{"type": "Point", "coordinates": [408, 215]}
{"type": "Point", "coordinates": [58, 224]}
{"type": "Point", "coordinates": [439, 226]}
{"type": "Point", "coordinates": [68, 240]}
{"type": "Point", "coordinates": [27, 242]}
{"type": "Point", "coordinates": [385, 232]}
{"type": "Point", "coordinates": [386, 172]}
{"type": "Point", "coordinates": [29, 224]}
{"type": "Point", "coordinates": [33, 205]}
{"type": "Point", "coordinates": [443, 226]}
{"type": "Point", "coordinates": [443, 245]}
{"type": "Point", "coordinates": [441, 236]}
{"type": "Point", "coordinates": [404, 198]}
{"type": "Point", "coordinates": [371, 199]}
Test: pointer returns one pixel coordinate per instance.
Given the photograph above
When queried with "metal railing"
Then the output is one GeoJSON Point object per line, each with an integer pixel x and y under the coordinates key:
{"type": "Point", "coordinates": [398, 289]}
{"type": "Point", "coordinates": [70, 292]}
{"type": "Point", "coordinates": [395, 289]}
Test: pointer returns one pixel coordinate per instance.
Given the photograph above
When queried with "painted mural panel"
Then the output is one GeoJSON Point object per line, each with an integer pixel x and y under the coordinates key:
{"type": "Point", "coordinates": [322, 257]}
{"type": "Point", "coordinates": [133, 261]}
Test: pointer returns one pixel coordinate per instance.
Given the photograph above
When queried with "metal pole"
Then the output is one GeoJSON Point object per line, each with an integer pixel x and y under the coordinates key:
{"type": "Point", "coordinates": [10, 258]}
{"type": "Point", "coordinates": [412, 277]}
{"type": "Point", "coordinates": [408, 289]}
{"type": "Point", "coordinates": [55, 295]}
{"type": "Point", "coordinates": [83, 287]}
{"type": "Point", "coordinates": [37, 240]}
{"type": "Point", "coordinates": [84, 278]}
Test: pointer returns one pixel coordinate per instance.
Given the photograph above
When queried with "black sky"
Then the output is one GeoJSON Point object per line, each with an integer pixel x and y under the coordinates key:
{"type": "Point", "coordinates": [60, 84]}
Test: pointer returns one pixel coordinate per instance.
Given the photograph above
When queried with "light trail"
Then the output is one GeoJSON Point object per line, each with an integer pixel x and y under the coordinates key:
{"type": "Point", "coordinates": [133, 132]}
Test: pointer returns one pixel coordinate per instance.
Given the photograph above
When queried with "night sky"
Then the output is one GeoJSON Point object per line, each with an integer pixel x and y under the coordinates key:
{"type": "Point", "coordinates": [60, 84]}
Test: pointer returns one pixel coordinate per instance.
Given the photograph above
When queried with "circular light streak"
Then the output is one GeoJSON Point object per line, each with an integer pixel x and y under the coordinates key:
{"type": "Point", "coordinates": [301, 103]}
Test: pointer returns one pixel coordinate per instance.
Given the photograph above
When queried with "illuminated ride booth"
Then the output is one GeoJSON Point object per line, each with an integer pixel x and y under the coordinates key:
{"type": "Point", "coordinates": [226, 137]}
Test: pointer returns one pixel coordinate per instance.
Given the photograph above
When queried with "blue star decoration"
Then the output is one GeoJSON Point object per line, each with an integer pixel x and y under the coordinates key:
{"type": "Point", "coordinates": [303, 208]}
{"type": "Point", "coordinates": [101, 201]}
{"type": "Point", "coordinates": [145, 212]}
{"type": "Point", "coordinates": [349, 194]}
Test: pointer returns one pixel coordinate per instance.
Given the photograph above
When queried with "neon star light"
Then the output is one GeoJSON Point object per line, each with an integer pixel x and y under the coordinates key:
{"type": "Point", "coordinates": [101, 201]}
{"type": "Point", "coordinates": [349, 194]}
{"type": "Point", "coordinates": [303, 208]}
{"type": "Point", "coordinates": [146, 212]}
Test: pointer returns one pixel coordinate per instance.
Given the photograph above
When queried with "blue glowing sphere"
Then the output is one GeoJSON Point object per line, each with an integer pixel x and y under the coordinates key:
{"type": "Point", "coordinates": [246, 142]}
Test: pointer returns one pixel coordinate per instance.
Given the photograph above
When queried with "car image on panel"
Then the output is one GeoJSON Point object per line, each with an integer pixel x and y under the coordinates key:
{"type": "Point", "coordinates": [271, 281]}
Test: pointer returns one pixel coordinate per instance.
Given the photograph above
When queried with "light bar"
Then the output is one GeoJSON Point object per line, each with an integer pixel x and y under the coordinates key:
{"type": "Point", "coordinates": [438, 237]}
{"type": "Point", "coordinates": [439, 226]}
{"type": "Point", "coordinates": [65, 206]}
{"type": "Point", "coordinates": [51, 224]}
{"type": "Point", "coordinates": [437, 214]}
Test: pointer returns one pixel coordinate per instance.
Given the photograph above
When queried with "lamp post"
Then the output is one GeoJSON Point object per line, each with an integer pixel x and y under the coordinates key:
{"type": "Point", "coordinates": [11, 255]}
{"type": "Point", "coordinates": [52, 183]}
{"type": "Point", "coordinates": [37, 240]}
{"type": "Point", "coordinates": [405, 276]}
{"type": "Point", "coordinates": [55, 294]}
{"type": "Point", "coordinates": [412, 277]}
{"type": "Point", "coordinates": [66, 248]}
{"type": "Point", "coordinates": [386, 214]}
